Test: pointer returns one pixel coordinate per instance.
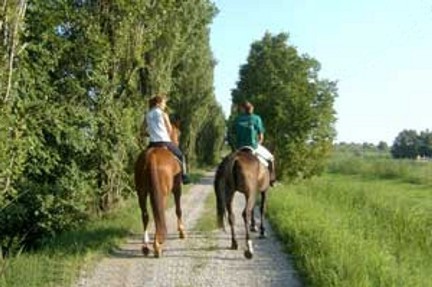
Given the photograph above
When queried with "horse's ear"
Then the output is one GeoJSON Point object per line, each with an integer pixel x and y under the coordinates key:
{"type": "Point", "coordinates": [175, 121]}
{"type": "Point", "coordinates": [176, 124]}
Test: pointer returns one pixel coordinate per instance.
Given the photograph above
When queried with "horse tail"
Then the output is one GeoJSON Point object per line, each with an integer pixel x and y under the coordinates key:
{"type": "Point", "coordinates": [157, 201]}
{"type": "Point", "coordinates": [237, 175]}
{"type": "Point", "coordinates": [219, 187]}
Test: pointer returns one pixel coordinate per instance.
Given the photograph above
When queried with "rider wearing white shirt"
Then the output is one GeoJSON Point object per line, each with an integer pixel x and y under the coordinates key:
{"type": "Point", "coordinates": [159, 128]}
{"type": "Point", "coordinates": [156, 125]}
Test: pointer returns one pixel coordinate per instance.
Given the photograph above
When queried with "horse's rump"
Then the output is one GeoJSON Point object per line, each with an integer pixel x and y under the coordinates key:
{"type": "Point", "coordinates": [241, 171]}
{"type": "Point", "coordinates": [161, 158]}
{"type": "Point", "coordinates": [155, 157]}
{"type": "Point", "coordinates": [245, 171]}
{"type": "Point", "coordinates": [155, 173]}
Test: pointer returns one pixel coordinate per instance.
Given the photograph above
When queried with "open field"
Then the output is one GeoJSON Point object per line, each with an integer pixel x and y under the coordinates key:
{"type": "Point", "coordinates": [367, 222]}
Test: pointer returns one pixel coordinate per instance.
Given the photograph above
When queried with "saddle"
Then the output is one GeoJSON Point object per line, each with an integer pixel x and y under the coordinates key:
{"type": "Point", "coordinates": [160, 145]}
{"type": "Point", "coordinates": [254, 153]}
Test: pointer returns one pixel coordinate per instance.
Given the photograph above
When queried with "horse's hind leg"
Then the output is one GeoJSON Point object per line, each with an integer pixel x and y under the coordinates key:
{"type": "Point", "coordinates": [158, 239]}
{"type": "Point", "coordinates": [262, 213]}
{"type": "Point", "coordinates": [142, 198]}
{"type": "Point", "coordinates": [177, 196]}
{"type": "Point", "coordinates": [253, 227]}
{"type": "Point", "coordinates": [231, 221]}
{"type": "Point", "coordinates": [250, 202]}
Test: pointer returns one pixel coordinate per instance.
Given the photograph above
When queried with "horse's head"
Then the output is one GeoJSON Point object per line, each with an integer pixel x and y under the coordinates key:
{"type": "Point", "coordinates": [175, 133]}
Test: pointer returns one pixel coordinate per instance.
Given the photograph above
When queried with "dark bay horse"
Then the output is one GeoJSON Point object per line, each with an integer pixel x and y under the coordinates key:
{"type": "Point", "coordinates": [157, 174]}
{"type": "Point", "coordinates": [241, 171]}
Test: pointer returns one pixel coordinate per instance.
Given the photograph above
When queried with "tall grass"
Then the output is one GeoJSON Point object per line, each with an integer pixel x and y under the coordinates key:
{"type": "Point", "coordinates": [356, 228]}
{"type": "Point", "coordinates": [410, 171]}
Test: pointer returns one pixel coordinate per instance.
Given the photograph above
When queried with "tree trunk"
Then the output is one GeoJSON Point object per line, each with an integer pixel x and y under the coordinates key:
{"type": "Point", "coordinates": [12, 43]}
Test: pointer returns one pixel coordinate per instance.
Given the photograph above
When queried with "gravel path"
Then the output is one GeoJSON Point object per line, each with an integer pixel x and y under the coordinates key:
{"type": "Point", "coordinates": [202, 259]}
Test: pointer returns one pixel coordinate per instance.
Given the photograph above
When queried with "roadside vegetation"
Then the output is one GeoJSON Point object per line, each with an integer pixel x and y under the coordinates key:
{"type": "Point", "coordinates": [366, 222]}
{"type": "Point", "coordinates": [75, 80]}
{"type": "Point", "coordinates": [60, 259]}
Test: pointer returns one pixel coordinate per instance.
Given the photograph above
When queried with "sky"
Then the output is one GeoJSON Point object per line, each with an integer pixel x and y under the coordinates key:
{"type": "Point", "coordinates": [379, 52]}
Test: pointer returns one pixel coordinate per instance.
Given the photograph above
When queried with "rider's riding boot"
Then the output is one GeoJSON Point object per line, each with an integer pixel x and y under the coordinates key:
{"type": "Point", "coordinates": [272, 172]}
{"type": "Point", "coordinates": [185, 177]}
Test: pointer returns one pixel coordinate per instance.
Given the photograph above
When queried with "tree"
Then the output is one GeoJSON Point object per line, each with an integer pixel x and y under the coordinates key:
{"type": "Point", "coordinates": [406, 145]}
{"type": "Point", "coordinates": [73, 89]}
{"type": "Point", "coordinates": [410, 144]}
{"type": "Point", "coordinates": [295, 104]}
{"type": "Point", "coordinates": [383, 146]}
{"type": "Point", "coordinates": [425, 143]}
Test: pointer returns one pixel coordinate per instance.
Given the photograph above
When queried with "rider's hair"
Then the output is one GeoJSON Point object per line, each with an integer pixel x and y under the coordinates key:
{"type": "Point", "coordinates": [156, 100]}
{"type": "Point", "coordinates": [248, 107]}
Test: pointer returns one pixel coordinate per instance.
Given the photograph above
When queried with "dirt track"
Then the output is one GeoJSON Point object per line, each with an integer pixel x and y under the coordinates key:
{"type": "Point", "coordinates": [202, 259]}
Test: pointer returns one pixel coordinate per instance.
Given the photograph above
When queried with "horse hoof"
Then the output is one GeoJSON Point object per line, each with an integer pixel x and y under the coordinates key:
{"type": "Point", "coordinates": [248, 254]}
{"type": "Point", "coordinates": [158, 254]}
{"type": "Point", "coordinates": [263, 235]}
{"type": "Point", "coordinates": [145, 250]}
{"type": "Point", "coordinates": [234, 246]}
{"type": "Point", "coordinates": [182, 235]}
{"type": "Point", "coordinates": [253, 228]}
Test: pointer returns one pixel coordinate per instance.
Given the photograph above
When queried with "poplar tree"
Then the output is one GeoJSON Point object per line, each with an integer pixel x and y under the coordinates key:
{"type": "Point", "coordinates": [75, 78]}
{"type": "Point", "coordinates": [295, 103]}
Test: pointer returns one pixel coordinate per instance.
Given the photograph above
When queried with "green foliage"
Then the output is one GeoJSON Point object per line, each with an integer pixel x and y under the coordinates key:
{"type": "Point", "coordinates": [60, 259]}
{"type": "Point", "coordinates": [82, 74]}
{"type": "Point", "coordinates": [192, 95]}
{"type": "Point", "coordinates": [410, 144]}
{"type": "Point", "coordinates": [383, 146]}
{"type": "Point", "coordinates": [295, 104]}
{"type": "Point", "coordinates": [210, 139]}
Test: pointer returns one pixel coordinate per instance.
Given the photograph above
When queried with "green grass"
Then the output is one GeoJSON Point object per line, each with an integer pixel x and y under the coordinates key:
{"type": "Point", "coordinates": [59, 261]}
{"type": "Point", "coordinates": [207, 221]}
{"type": "Point", "coordinates": [357, 230]}
{"type": "Point", "coordinates": [410, 171]}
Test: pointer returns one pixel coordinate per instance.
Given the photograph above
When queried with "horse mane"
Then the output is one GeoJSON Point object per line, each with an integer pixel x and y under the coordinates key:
{"type": "Point", "coordinates": [175, 132]}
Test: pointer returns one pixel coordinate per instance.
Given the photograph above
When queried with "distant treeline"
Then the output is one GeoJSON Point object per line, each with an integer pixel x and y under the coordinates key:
{"type": "Point", "coordinates": [408, 144]}
{"type": "Point", "coordinates": [75, 77]}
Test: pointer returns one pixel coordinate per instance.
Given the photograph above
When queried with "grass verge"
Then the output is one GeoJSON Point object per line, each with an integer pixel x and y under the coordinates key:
{"type": "Point", "coordinates": [207, 221]}
{"type": "Point", "coordinates": [355, 231]}
{"type": "Point", "coordinates": [58, 263]}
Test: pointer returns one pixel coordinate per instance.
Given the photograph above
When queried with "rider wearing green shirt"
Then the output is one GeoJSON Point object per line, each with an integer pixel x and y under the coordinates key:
{"type": "Point", "coordinates": [249, 132]}
{"type": "Point", "coordinates": [248, 129]}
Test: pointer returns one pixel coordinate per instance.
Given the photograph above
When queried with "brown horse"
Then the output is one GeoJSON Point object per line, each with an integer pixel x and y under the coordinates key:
{"type": "Point", "coordinates": [157, 174]}
{"type": "Point", "coordinates": [241, 171]}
